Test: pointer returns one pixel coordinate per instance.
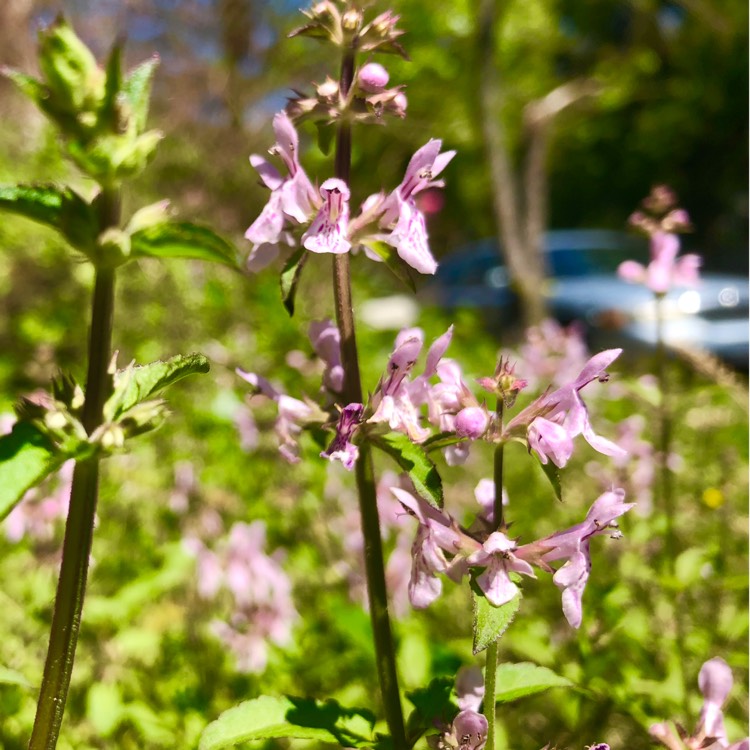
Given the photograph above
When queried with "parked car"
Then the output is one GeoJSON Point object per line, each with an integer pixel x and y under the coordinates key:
{"type": "Point", "coordinates": [583, 285]}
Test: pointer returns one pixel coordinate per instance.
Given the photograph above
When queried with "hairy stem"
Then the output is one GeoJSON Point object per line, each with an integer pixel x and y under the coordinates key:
{"type": "Point", "coordinates": [385, 654]}
{"type": "Point", "coordinates": [79, 527]}
{"type": "Point", "coordinates": [490, 669]}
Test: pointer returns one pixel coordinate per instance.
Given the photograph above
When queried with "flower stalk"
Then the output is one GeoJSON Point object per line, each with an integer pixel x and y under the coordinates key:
{"type": "Point", "coordinates": [79, 527]}
{"type": "Point", "coordinates": [490, 670]}
{"type": "Point", "coordinates": [364, 472]}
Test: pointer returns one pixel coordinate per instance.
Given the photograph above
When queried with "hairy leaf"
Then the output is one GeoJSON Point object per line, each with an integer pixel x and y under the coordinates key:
{"type": "Point", "coordinates": [490, 622]}
{"type": "Point", "coordinates": [442, 440]}
{"type": "Point", "coordinates": [137, 90]}
{"type": "Point", "coordinates": [413, 459]}
{"type": "Point", "coordinates": [26, 458]}
{"type": "Point", "coordinates": [290, 277]}
{"type": "Point", "coordinates": [519, 680]}
{"type": "Point", "coordinates": [294, 718]}
{"type": "Point", "coordinates": [183, 240]}
{"type": "Point", "coordinates": [136, 384]}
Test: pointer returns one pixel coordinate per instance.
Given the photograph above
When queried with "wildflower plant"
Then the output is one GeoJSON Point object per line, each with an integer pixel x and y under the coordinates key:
{"type": "Point", "coordinates": [412, 412]}
{"type": "Point", "coordinates": [100, 115]}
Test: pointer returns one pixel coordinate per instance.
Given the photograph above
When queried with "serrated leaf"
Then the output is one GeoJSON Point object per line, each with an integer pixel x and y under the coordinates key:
{"type": "Point", "coordinates": [490, 622]}
{"type": "Point", "coordinates": [290, 276]}
{"type": "Point", "coordinates": [26, 457]}
{"type": "Point", "coordinates": [392, 260]}
{"type": "Point", "coordinates": [11, 677]}
{"type": "Point", "coordinates": [431, 703]}
{"type": "Point", "coordinates": [413, 459]}
{"type": "Point", "coordinates": [553, 474]}
{"type": "Point", "coordinates": [137, 90]}
{"type": "Point", "coordinates": [294, 718]}
{"type": "Point", "coordinates": [524, 678]}
{"type": "Point", "coordinates": [183, 240]}
{"type": "Point", "coordinates": [136, 384]}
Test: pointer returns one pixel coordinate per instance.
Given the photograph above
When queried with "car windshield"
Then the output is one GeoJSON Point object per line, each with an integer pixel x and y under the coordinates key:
{"type": "Point", "coordinates": [586, 261]}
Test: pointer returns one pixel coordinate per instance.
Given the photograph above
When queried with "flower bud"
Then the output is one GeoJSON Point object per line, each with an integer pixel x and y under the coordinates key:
{"type": "Point", "coordinates": [373, 77]}
{"type": "Point", "coordinates": [472, 422]}
{"type": "Point", "coordinates": [352, 20]}
{"type": "Point", "coordinates": [399, 104]}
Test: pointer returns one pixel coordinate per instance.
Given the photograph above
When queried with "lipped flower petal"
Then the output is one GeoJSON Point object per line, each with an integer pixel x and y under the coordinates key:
{"type": "Point", "coordinates": [327, 233]}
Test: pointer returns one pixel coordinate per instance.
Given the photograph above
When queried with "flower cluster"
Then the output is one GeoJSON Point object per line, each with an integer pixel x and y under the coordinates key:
{"type": "Point", "coordinates": [437, 401]}
{"type": "Point", "coordinates": [661, 220]}
{"type": "Point", "coordinates": [323, 214]}
{"type": "Point", "coordinates": [715, 682]}
{"type": "Point", "coordinates": [260, 592]}
{"type": "Point", "coordinates": [442, 546]}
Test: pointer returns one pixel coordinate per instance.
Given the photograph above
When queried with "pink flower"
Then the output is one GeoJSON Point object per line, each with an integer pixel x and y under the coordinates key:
{"type": "Point", "coordinates": [573, 545]}
{"type": "Point", "coordinates": [554, 419]}
{"type": "Point", "coordinates": [341, 449]}
{"type": "Point", "coordinates": [497, 555]}
{"type": "Point", "coordinates": [326, 341]}
{"type": "Point", "coordinates": [292, 198]}
{"type": "Point", "coordinates": [400, 213]}
{"type": "Point", "coordinates": [665, 269]}
{"type": "Point", "coordinates": [397, 399]}
{"type": "Point", "coordinates": [327, 233]}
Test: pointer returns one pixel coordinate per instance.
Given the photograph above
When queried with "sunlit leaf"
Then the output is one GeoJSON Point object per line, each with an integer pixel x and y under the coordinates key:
{"type": "Point", "coordinates": [293, 718]}
{"type": "Point", "coordinates": [490, 622]}
{"type": "Point", "coordinates": [524, 678]}
{"type": "Point", "coordinates": [183, 240]}
{"type": "Point", "coordinates": [26, 458]}
{"type": "Point", "coordinates": [137, 90]}
{"type": "Point", "coordinates": [413, 459]}
{"type": "Point", "coordinates": [135, 384]}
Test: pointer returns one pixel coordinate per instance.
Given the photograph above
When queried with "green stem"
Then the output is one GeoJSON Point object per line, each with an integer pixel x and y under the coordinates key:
{"type": "Point", "coordinates": [79, 527]}
{"type": "Point", "coordinates": [666, 493]}
{"type": "Point", "coordinates": [490, 669]}
{"type": "Point", "coordinates": [385, 654]}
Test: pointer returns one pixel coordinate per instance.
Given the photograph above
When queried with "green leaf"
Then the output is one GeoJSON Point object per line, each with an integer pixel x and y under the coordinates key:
{"type": "Point", "coordinates": [294, 718]}
{"type": "Point", "coordinates": [135, 384]}
{"type": "Point", "coordinates": [26, 457]}
{"type": "Point", "coordinates": [11, 677]}
{"type": "Point", "coordinates": [524, 678]}
{"type": "Point", "coordinates": [30, 87]}
{"type": "Point", "coordinates": [326, 132]}
{"type": "Point", "coordinates": [60, 208]}
{"type": "Point", "coordinates": [183, 240]}
{"type": "Point", "coordinates": [413, 459]}
{"type": "Point", "coordinates": [137, 90]}
{"type": "Point", "coordinates": [112, 87]}
{"type": "Point", "coordinates": [430, 703]}
{"type": "Point", "coordinates": [442, 440]}
{"type": "Point", "coordinates": [290, 277]}
{"type": "Point", "coordinates": [553, 474]}
{"type": "Point", "coordinates": [400, 269]}
{"type": "Point", "coordinates": [490, 622]}
{"type": "Point", "coordinates": [104, 707]}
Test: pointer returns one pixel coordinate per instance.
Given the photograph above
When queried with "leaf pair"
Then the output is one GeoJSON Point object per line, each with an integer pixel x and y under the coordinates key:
{"type": "Point", "coordinates": [28, 456]}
